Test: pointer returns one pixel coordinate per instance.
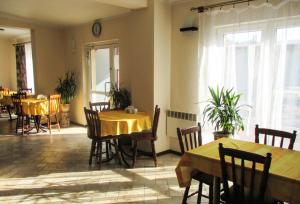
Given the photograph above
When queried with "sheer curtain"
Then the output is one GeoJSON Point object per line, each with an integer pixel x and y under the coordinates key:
{"type": "Point", "coordinates": [255, 49]}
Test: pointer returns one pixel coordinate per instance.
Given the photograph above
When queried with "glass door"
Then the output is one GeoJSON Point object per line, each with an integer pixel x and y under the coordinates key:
{"type": "Point", "coordinates": [104, 71]}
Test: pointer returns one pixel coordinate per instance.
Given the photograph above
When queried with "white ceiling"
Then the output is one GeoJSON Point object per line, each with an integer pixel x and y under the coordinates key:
{"type": "Point", "coordinates": [10, 32]}
{"type": "Point", "coordinates": [67, 12]}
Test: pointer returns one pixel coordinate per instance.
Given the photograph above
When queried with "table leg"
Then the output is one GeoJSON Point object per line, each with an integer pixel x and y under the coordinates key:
{"type": "Point", "coordinates": [216, 191]}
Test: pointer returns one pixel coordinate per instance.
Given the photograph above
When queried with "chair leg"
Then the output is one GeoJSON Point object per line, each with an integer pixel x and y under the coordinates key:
{"type": "Point", "coordinates": [154, 153]}
{"type": "Point", "coordinates": [185, 195]}
{"type": "Point", "coordinates": [134, 153]}
{"type": "Point", "coordinates": [57, 122]}
{"type": "Point", "coordinates": [92, 152]}
{"type": "Point", "coordinates": [49, 124]}
{"type": "Point", "coordinates": [117, 151]}
{"type": "Point", "coordinates": [210, 194]}
{"type": "Point", "coordinates": [199, 193]}
{"type": "Point", "coordinates": [100, 153]}
{"type": "Point", "coordinates": [9, 112]}
{"type": "Point", "coordinates": [22, 121]}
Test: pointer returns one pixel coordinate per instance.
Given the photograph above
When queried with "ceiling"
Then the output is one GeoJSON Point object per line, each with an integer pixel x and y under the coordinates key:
{"type": "Point", "coordinates": [67, 12]}
{"type": "Point", "coordinates": [10, 32]}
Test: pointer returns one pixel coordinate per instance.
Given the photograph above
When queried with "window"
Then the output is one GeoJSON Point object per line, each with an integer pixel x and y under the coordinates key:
{"type": "Point", "coordinates": [29, 67]}
{"type": "Point", "coordinates": [264, 65]}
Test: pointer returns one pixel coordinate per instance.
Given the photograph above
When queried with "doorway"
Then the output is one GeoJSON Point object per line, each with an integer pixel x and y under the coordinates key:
{"type": "Point", "coordinates": [104, 71]}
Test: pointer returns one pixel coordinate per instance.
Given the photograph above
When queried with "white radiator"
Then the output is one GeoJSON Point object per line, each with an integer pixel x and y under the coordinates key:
{"type": "Point", "coordinates": [177, 119]}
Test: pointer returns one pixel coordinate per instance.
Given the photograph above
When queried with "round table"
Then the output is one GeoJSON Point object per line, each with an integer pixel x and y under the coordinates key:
{"type": "Point", "coordinates": [33, 106]}
{"type": "Point", "coordinates": [120, 122]}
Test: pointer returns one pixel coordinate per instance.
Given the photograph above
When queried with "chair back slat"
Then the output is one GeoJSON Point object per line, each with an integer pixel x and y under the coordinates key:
{"type": "Point", "coordinates": [93, 123]}
{"type": "Point", "coordinates": [275, 134]}
{"type": "Point", "coordinates": [189, 138]}
{"type": "Point", "coordinates": [25, 90]}
{"type": "Point", "coordinates": [100, 106]}
{"type": "Point", "coordinates": [54, 102]}
{"type": "Point", "coordinates": [239, 187]}
{"type": "Point", "coordinates": [155, 121]}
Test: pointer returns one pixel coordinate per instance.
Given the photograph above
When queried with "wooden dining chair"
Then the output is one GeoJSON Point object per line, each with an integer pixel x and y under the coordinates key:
{"type": "Point", "coordinates": [238, 193]}
{"type": "Point", "coordinates": [94, 133]}
{"type": "Point", "coordinates": [149, 135]}
{"type": "Point", "coordinates": [22, 119]}
{"type": "Point", "coordinates": [190, 138]}
{"type": "Point", "coordinates": [100, 106]}
{"type": "Point", "coordinates": [53, 110]}
{"type": "Point", "coordinates": [267, 134]}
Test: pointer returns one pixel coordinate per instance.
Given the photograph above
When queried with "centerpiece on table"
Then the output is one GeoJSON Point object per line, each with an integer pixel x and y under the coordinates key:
{"type": "Point", "coordinates": [121, 97]}
{"type": "Point", "coordinates": [67, 89]}
{"type": "Point", "coordinates": [223, 112]}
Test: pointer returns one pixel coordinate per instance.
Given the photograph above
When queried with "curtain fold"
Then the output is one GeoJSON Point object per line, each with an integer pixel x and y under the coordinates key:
{"type": "Point", "coordinates": [254, 49]}
{"type": "Point", "coordinates": [21, 66]}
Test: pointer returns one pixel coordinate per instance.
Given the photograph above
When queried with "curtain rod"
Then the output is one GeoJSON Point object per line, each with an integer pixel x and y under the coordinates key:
{"type": "Point", "coordinates": [22, 43]}
{"type": "Point", "coordinates": [202, 9]}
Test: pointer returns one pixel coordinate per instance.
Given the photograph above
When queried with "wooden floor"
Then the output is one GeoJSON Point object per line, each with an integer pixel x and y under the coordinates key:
{"type": "Point", "coordinates": [54, 169]}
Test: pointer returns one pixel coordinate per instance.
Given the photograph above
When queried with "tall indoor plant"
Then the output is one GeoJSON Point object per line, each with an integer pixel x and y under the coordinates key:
{"type": "Point", "coordinates": [223, 112]}
{"type": "Point", "coordinates": [67, 89]}
{"type": "Point", "coordinates": [121, 97]}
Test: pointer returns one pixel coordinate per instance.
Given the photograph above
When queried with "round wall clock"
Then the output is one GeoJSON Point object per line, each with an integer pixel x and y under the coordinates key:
{"type": "Point", "coordinates": [96, 29]}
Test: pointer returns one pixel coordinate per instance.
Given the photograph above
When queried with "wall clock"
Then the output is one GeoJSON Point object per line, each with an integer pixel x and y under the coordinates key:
{"type": "Point", "coordinates": [96, 29]}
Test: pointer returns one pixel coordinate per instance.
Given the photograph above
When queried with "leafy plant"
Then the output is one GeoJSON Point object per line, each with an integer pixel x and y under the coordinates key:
{"type": "Point", "coordinates": [67, 87]}
{"type": "Point", "coordinates": [223, 111]}
{"type": "Point", "coordinates": [121, 97]}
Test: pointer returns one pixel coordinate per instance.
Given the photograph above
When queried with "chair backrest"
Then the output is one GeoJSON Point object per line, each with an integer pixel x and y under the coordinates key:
{"type": "Point", "coordinates": [192, 138]}
{"type": "Point", "coordinates": [270, 133]}
{"type": "Point", "coordinates": [54, 102]}
{"type": "Point", "coordinates": [100, 106]}
{"type": "Point", "coordinates": [93, 123]}
{"type": "Point", "coordinates": [26, 90]}
{"type": "Point", "coordinates": [155, 121]}
{"type": "Point", "coordinates": [239, 186]}
{"type": "Point", "coordinates": [16, 99]}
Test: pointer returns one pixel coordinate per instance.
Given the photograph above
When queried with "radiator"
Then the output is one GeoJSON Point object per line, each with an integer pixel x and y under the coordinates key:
{"type": "Point", "coordinates": [177, 119]}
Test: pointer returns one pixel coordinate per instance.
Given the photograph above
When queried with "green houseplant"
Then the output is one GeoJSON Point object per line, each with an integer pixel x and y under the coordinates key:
{"type": "Point", "coordinates": [121, 97]}
{"type": "Point", "coordinates": [223, 112]}
{"type": "Point", "coordinates": [67, 89]}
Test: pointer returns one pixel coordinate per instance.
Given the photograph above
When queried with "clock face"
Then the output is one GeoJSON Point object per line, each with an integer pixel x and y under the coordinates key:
{"type": "Point", "coordinates": [96, 29]}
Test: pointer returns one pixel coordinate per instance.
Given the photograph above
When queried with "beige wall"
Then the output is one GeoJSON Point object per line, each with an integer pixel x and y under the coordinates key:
{"type": "Point", "coordinates": [7, 64]}
{"type": "Point", "coordinates": [48, 53]}
{"type": "Point", "coordinates": [162, 66]}
{"type": "Point", "coordinates": [184, 63]}
{"type": "Point", "coordinates": [135, 35]}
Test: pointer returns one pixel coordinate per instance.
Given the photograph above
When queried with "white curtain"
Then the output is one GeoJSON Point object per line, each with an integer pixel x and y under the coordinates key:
{"type": "Point", "coordinates": [254, 49]}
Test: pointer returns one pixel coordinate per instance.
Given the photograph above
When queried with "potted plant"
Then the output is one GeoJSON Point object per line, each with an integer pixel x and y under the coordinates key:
{"type": "Point", "coordinates": [67, 89]}
{"type": "Point", "coordinates": [121, 97]}
{"type": "Point", "coordinates": [223, 111]}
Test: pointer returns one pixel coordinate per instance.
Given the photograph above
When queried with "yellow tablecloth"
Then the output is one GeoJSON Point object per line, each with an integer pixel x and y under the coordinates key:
{"type": "Point", "coordinates": [284, 177]}
{"type": "Point", "coordinates": [120, 122]}
{"type": "Point", "coordinates": [33, 106]}
{"type": "Point", "coordinates": [5, 98]}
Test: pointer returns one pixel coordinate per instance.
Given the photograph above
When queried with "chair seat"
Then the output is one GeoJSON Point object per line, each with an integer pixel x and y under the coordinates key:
{"type": "Point", "coordinates": [203, 177]}
{"type": "Point", "coordinates": [246, 197]}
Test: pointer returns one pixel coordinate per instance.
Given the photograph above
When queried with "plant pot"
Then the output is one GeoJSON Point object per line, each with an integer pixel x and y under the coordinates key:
{"type": "Point", "coordinates": [221, 134]}
{"type": "Point", "coordinates": [64, 115]}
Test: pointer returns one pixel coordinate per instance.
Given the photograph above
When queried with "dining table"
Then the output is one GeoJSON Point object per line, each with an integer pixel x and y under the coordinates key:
{"type": "Point", "coordinates": [284, 173]}
{"type": "Point", "coordinates": [120, 124]}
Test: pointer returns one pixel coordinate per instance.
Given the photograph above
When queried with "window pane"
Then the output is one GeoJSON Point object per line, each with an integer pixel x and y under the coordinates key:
{"type": "Point", "coordinates": [243, 38]}
{"type": "Point", "coordinates": [29, 67]}
{"type": "Point", "coordinates": [288, 34]}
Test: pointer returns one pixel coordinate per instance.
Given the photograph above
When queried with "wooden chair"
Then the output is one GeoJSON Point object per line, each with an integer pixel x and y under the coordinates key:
{"type": "Point", "coordinates": [238, 193]}
{"type": "Point", "coordinates": [54, 102]}
{"type": "Point", "coordinates": [94, 133]}
{"type": "Point", "coordinates": [100, 106]}
{"type": "Point", "coordinates": [21, 117]}
{"type": "Point", "coordinates": [25, 90]}
{"type": "Point", "coordinates": [103, 106]}
{"type": "Point", "coordinates": [268, 133]}
{"type": "Point", "coordinates": [150, 135]}
{"type": "Point", "coordinates": [190, 138]}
